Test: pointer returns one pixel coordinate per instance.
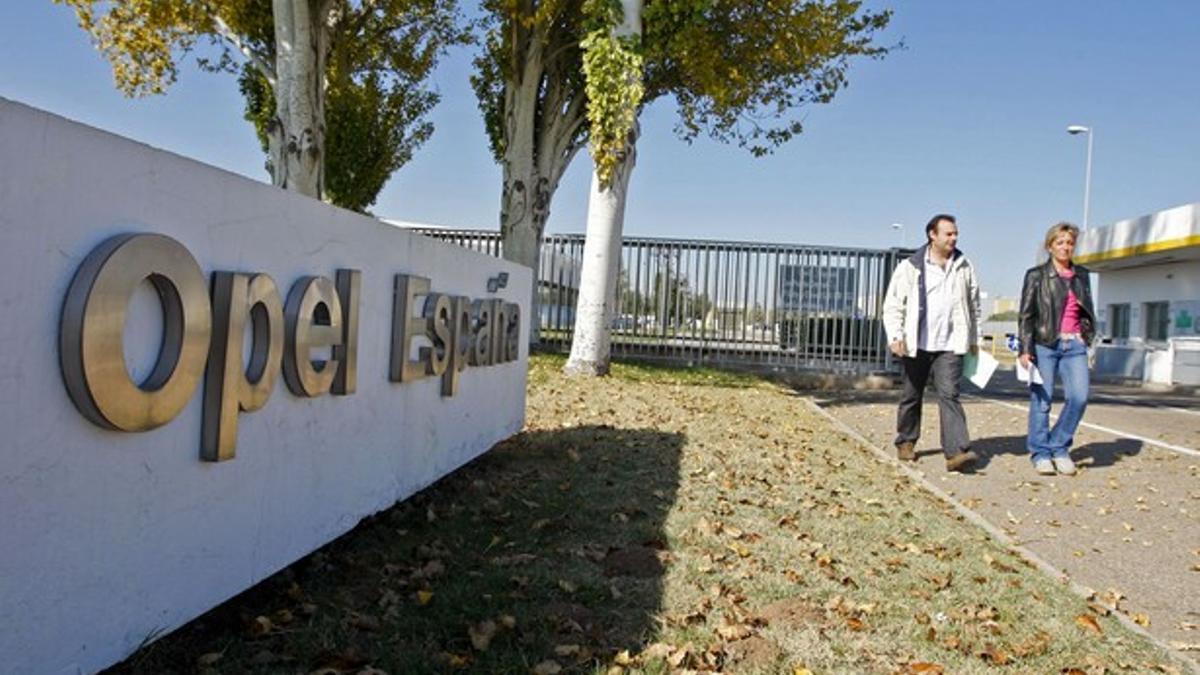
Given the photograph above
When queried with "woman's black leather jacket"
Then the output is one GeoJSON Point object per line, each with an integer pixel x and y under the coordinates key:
{"type": "Point", "coordinates": [1043, 297]}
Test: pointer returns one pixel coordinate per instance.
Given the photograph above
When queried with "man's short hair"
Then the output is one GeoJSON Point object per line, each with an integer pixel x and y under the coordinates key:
{"type": "Point", "coordinates": [1060, 228]}
{"type": "Point", "coordinates": [932, 224]}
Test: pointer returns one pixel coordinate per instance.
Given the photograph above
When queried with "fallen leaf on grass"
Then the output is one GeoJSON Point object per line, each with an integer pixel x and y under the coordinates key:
{"type": "Point", "coordinates": [364, 622]}
{"type": "Point", "coordinates": [1089, 622]}
{"type": "Point", "coordinates": [1140, 619]}
{"type": "Point", "coordinates": [209, 658]}
{"type": "Point", "coordinates": [734, 631]}
{"type": "Point", "coordinates": [260, 626]}
{"type": "Point", "coordinates": [482, 634]}
{"type": "Point", "coordinates": [547, 667]}
{"type": "Point", "coordinates": [423, 597]}
{"type": "Point", "coordinates": [924, 667]}
{"type": "Point", "coordinates": [995, 656]}
{"type": "Point", "coordinates": [677, 659]}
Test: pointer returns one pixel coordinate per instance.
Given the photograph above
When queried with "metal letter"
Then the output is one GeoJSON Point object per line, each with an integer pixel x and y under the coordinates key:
{"type": "Point", "coordinates": [227, 387]}
{"type": "Point", "coordinates": [512, 339]}
{"type": "Point", "coordinates": [91, 332]}
{"type": "Point", "coordinates": [405, 327]}
{"type": "Point", "coordinates": [314, 320]}
{"type": "Point", "coordinates": [500, 333]}
{"type": "Point", "coordinates": [349, 289]}
{"type": "Point", "coordinates": [481, 350]}
{"type": "Point", "coordinates": [460, 344]}
{"type": "Point", "coordinates": [437, 328]}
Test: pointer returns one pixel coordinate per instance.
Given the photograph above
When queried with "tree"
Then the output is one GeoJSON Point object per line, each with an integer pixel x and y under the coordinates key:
{"type": "Point", "coordinates": [737, 71]}
{"type": "Point", "coordinates": [529, 82]}
{"type": "Point", "coordinates": [333, 87]}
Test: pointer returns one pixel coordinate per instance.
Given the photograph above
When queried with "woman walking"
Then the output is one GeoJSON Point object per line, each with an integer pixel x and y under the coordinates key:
{"type": "Point", "coordinates": [1057, 323]}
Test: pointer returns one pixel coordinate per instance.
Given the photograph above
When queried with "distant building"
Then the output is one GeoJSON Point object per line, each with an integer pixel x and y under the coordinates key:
{"type": "Point", "coordinates": [811, 289]}
{"type": "Point", "coordinates": [1148, 295]}
{"type": "Point", "coordinates": [993, 306]}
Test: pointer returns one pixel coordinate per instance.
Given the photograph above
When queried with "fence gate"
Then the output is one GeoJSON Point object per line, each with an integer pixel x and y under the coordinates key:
{"type": "Point", "coordinates": [779, 306]}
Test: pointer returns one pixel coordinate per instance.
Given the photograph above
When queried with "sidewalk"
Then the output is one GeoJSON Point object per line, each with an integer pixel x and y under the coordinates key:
{"type": "Point", "coordinates": [1128, 525]}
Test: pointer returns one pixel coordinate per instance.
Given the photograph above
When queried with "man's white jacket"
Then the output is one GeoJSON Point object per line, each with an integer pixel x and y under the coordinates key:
{"type": "Point", "coordinates": [904, 304]}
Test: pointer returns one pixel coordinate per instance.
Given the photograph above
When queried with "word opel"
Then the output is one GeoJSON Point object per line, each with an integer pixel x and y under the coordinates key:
{"type": "Point", "coordinates": [203, 336]}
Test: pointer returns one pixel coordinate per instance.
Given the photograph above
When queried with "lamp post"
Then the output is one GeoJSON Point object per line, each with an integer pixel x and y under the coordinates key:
{"type": "Point", "coordinates": [903, 241]}
{"type": "Point", "coordinates": [1087, 180]}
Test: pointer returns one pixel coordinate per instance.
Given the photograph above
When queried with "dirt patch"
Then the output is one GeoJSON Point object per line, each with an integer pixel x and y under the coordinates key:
{"type": "Point", "coordinates": [755, 654]}
{"type": "Point", "coordinates": [635, 561]}
{"type": "Point", "coordinates": [792, 612]}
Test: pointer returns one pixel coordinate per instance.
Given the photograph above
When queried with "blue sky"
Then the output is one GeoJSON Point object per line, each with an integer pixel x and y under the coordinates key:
{"type": "Point", "coordinates": [970, 118]}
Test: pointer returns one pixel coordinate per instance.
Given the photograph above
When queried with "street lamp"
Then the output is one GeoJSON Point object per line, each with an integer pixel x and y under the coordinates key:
{"type": "Point", "coordinates": [1087, 181]}
{"type": "Point", "coordinates": [900, 226]}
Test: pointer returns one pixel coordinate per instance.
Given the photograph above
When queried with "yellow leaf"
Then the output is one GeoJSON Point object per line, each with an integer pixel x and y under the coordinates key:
{"type": "Point", "coordinates": [1089, 622]}
{"type": "Point", "coordinates": [260, 626]}
{"type": "Point", "coordinates": [481, 635]}
{"type": "Point", "coordinates": [423, 597]}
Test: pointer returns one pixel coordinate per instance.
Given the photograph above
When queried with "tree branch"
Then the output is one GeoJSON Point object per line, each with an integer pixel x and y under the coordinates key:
{"type": "Point", "coordinates": [256, 59]}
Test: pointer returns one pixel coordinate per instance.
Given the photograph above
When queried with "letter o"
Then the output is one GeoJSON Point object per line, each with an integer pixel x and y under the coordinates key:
{"type": "Point", "coordinates": [91, 333]}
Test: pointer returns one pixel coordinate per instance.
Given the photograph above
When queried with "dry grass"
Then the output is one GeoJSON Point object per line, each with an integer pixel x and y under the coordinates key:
{"type": "Point", "coordinates": [654, 521]}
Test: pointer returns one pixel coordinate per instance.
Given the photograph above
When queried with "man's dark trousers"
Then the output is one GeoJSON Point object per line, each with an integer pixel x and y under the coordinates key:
{"type": "Point", "coordinates": [946, 368]}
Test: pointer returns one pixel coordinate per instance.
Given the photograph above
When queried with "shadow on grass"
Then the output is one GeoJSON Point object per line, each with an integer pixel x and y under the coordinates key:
{"type": "Point", "coordinates": [552, 540]}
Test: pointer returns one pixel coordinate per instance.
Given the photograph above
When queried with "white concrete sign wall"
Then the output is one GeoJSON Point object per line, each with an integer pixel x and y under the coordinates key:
{"type": "Point", "coordinates": [110, 537]}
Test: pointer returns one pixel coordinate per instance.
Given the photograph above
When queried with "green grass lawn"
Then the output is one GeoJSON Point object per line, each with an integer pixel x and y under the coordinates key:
{"type": "Point", "coordinates": [660, 520]}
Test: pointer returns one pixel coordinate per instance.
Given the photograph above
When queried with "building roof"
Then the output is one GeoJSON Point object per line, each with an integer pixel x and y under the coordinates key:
{"type": "Point", "coordinates": [1166, 236]}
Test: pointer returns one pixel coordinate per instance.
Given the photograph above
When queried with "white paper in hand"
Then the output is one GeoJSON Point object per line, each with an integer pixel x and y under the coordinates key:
{"type": "Point", "coordinates": [978, 368]}
{"type": "Point", "coordinates": [1027, 374]}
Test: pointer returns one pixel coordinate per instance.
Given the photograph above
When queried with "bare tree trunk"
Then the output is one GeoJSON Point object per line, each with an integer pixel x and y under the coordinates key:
{"type": "Point", "coordinates": [524, 209]}
{"type": "Point", "coordinates": [296, 137]}
{"type": "Point", "coordinates": [540, 137]}
{"type": "Point", "coordinates": [591, 343]}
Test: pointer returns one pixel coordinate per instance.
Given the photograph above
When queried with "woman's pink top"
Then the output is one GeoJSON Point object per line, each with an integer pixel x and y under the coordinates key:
{"type": "Point", "coordinates": [1070, 315]}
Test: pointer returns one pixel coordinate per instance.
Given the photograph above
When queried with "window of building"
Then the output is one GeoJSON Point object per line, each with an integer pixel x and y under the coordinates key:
{"type": "Point", "coordinates": [1118, 320]}
{"type": "Point", "coordinates": [1158, 320]}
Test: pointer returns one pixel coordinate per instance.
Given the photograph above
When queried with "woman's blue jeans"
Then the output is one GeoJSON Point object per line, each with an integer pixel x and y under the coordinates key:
{"type": "Point", "coordinates": [1067, 359]}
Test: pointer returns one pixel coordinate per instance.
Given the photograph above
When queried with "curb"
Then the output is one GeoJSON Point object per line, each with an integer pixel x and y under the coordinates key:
{"type": "Point", "coordinates": [1000, 537]}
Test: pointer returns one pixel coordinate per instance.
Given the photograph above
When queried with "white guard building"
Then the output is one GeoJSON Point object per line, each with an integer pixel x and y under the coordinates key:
{"type": "Point", "coordinates": [1148, 298]}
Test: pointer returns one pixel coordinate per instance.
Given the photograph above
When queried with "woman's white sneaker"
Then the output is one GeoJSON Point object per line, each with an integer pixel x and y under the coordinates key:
{"type": "Point", "coordinates": [1064, 465]}
{"type": "Point", "coordinates": [1044, 467]}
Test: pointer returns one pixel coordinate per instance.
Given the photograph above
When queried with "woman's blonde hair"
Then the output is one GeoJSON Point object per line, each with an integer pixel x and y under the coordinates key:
{"type": "Point", "coordinates": [1060, 228]}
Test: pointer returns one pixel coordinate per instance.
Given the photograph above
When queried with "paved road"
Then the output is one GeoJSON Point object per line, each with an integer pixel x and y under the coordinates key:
{"type": "Point", "coordinates": [1129, 523]}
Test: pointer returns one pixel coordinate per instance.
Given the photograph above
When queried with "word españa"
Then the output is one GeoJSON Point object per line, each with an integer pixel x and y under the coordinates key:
{"type": "Point", "coordinates": [203, 337]}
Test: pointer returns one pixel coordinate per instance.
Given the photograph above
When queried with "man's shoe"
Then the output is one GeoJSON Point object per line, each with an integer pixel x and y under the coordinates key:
{"type": "Point", "coordinates": [1064, 465]}
{"type": "Point", "coordinates": [962, 461]}
{"type": "Point", "coordinates": [906, 452]}
{"type": "Point", "coordinates": [1043, 466]}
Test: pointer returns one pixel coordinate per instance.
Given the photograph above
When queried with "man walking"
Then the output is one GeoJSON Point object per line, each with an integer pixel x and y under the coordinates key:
{"type": "Point", "coordinates": [931, 315]}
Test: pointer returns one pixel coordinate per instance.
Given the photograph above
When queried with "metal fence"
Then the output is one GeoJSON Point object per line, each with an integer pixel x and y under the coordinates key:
{"type": "Point", "coordinates": [779, 306]}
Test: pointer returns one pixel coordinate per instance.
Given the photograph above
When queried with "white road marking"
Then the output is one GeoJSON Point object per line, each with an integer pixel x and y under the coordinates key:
{"type": "Point", "coordinates": [1108, 397]}
{"type": "Point", "coordinates": [1115, 432]}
